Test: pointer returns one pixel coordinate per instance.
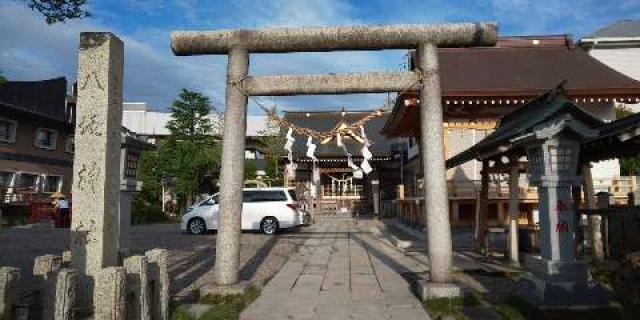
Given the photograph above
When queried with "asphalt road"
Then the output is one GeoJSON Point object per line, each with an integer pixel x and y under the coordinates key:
{"type": "Point", "coordinates": [191, 258]}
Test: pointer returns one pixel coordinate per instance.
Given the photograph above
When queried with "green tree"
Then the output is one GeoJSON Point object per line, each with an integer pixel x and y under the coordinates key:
{"type": "Point", "coordinates": [147, 204]}
{"type": "Point", "coordinates": [2, 78]}
{"type": "Point", "coordinates": [190, 117]}
{"type": "Point", "coordinates": [191, 155]}
{"type": "Point", "coordinates": [250, 169]}
{"type": "Point", "coordinates": [628, 166]}
{"type": "Point", "coordinates": [59, 10]}
{"type": "Point", "coordinates": [189, 158]}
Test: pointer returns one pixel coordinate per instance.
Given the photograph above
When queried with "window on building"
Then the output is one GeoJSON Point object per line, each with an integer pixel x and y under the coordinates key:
{"type": "Point", "coordinates": [132, 165]}
{"type": "Point", "coordinates": [27, 181]}
{"type": "Point", "coordinates": [8, 130]}
{"type": "Point", "coordinates": [69, 144]}
{"type": "Point", "coordinates": [52, 184]}
{"type": "Point", "coordinates": [412, 142]}
{"type": "Point", "coordinates": [46, 138]}
{"type": "Point", "coordinates": [5, 178]}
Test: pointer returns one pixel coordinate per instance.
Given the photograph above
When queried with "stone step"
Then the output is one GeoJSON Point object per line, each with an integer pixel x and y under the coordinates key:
{"type": "Point", "coordinates": [401, 244]}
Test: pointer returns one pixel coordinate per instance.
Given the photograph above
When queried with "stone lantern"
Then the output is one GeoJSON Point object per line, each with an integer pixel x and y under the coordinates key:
{"type": "Point", "coordinates": [553, 150]}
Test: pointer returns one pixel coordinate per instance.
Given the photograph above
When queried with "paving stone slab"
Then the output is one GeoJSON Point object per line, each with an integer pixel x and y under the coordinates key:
{"type": "Point", "coordinates": [340, 273]}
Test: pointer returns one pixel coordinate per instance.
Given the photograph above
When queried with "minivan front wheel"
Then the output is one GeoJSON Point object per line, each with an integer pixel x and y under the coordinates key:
{"type": "Point", "coordinates": [197, 226]}
{"type": "Point", "coordinates": [269, 225]}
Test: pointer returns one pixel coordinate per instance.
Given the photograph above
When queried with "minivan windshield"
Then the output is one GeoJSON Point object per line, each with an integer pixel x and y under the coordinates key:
{"type": "Point", "coordinates": [209, 201]}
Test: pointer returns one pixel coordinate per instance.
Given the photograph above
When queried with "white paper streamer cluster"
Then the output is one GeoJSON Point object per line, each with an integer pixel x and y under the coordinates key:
{"type": "Point", "coordinates": [366, 154]}
{"type": "Point", "coordinates": [311, 150]}
{"type": "Point", "coordinates": [288, 146]}
{"type": "Point", "coordinates": [357, 172]}
{"type": "Point", "coordinates": [311, 153]}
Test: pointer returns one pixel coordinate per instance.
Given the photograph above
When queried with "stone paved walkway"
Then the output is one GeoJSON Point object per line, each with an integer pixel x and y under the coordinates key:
{"type": "Point", "coordinates": [341, 272]}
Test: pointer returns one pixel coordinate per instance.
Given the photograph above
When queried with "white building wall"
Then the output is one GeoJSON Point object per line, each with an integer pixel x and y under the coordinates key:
{"type": "Point", "coordinates": [623, 60]}
{"type": "Point", "coordinates": [627, 62]}
{"type": "Point", "coordinates": [137, 117]}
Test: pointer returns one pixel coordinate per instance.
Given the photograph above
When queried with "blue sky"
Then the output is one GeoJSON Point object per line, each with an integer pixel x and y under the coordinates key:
{"type": "Point", "coordinates": [31, 50]}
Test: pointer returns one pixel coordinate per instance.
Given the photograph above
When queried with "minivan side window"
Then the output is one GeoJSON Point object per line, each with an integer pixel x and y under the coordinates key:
{"type": "Point", "coordinates": [248, 196]}
{"type": "Point", "coordinates": [292, 193]}
{"type": "Point", "coordinates": [263, 196]}
{"type": "Point", "coordinates": [211, 201]}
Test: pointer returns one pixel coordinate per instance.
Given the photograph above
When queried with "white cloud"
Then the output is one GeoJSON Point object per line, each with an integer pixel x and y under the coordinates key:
{"type": "Point", "coordinates": [33, 50]}
{"type": "Point", "coordinates": [30, 49]}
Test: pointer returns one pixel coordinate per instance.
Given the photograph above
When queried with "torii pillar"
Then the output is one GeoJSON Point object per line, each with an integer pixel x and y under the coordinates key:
{"type": "Point", "coordinates": [238, 44]}
{"type": "Point", "coordinates": [433, 162]}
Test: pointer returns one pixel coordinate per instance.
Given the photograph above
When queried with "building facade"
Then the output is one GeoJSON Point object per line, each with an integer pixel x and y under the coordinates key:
{"type": "Point", "coordinates": [479, 87]}
{"type": "Point", "coordinates": [338, 189]}
{"type": "Point", "coordinates": [151, 124]}
{"type": "Point", "coordinates": [37, 125]}
{"type": "Point", "coordinates": [36, 138]}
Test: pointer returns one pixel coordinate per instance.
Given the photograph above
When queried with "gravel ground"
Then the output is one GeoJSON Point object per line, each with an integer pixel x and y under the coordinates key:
{"type": "Point", "coordinates": [191, 258]}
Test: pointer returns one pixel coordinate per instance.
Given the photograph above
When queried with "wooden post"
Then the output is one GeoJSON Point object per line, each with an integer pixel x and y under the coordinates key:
{"type": "Point", "coordinates": [455, 213]}
{"type": "Point", "coordinates": [514, 178]}
{"type": "Point", "coordinates": [483, 209]}
{"type": "Point", "coordinates": [594, 221]}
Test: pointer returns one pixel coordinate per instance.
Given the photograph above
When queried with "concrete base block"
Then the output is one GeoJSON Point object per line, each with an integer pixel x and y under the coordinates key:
{"type": "Point", "coordinates": [66, 282]}
{"type": "Point", "coordinates": [109, 294]}
{"type": "Point", "coordinates": [557, 270]}
{"type": "Point", "coordinates": [213, 289]}
{"type": "Point", "coordinates": [8, 285]}
{"type": "Point", "coordinates": [560, 284]}
{"type": "Point", "coordinates": [561, 294]}
{"type": "Point", "coordinates": [137, 287]}
{"type": "Point", "coordinates": [432, 290]}
{"type": "Point", "coordinates": [159, 279]}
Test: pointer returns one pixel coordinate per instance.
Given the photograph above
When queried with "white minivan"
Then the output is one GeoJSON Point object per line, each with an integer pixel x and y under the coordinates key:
{"type": "Point", "coordinates": [264, 209]}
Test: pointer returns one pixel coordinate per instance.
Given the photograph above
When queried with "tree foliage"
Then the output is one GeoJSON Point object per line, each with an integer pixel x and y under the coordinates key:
{"type": "Point", "coordinates": [629, 166]}
{"type": "Point", "coordinates": [189, 159]}
{"type": "Point", "coordinates": [190, 118]}
{"type": "Point", "coordinates": [59, 10]}
{"type": "Point", "coordinates": [2, 78]}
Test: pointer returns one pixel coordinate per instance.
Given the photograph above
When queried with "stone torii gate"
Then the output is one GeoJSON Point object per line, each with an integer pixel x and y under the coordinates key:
{"type": "Point", "coordinates": [238, 44]}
